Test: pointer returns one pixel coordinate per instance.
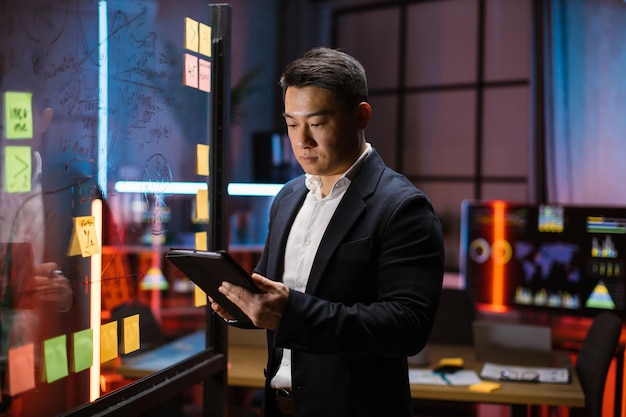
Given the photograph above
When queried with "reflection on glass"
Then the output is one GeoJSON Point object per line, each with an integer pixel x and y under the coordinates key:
{"type": "Point", "coordinates": [93, 94]}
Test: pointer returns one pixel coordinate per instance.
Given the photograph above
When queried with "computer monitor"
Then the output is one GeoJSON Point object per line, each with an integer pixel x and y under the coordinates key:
{"type": "Point", "coordinates": [562, 259]}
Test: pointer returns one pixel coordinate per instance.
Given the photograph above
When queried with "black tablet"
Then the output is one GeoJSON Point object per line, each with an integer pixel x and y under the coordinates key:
{"type": "Point", "coordinates": [208, 270]}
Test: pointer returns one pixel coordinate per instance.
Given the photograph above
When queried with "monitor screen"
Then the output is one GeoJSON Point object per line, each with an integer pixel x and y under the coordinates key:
{"type": "Point", "coordinates": [560, 258]}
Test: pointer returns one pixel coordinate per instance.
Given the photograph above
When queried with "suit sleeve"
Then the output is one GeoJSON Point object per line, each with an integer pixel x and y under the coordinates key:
{"type": "Point", "coordinates": [381, 289]}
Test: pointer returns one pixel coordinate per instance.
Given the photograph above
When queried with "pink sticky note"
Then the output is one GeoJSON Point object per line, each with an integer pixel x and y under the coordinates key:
{"type": "Point", "coordinates": [205, 75]}
{"type": "Point", "coordinates": [21, 369]}
{"type": "Point", "coordinates": [191, 71]}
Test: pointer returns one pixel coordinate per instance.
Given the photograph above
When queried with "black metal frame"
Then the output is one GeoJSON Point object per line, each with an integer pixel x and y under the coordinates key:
{"type": "Point", "coordinates": [147, 393]}
{"type": "Point", "coordinates": [209, 366]}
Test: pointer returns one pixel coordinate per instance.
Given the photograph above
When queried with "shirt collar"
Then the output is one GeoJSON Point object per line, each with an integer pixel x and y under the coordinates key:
{"type": "Point", "coordinates": [314, 182]}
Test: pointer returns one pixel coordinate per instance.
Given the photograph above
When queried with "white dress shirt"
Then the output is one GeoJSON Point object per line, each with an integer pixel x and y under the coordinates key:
{"type": "Point", "coordinates": [304, 238]}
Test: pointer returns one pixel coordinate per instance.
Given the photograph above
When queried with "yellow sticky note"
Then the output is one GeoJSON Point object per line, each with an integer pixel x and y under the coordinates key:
{"type": "Point", "coordinates": [205, 39]}
{"type": "Point", "coordinates": [18, 115]}
{"type": "Point", "coordinates": [485, 386]}
{"type": "Point", "coordinates": [451, 362]}
{"type": "Point", "coordinates": [55, 359]}
{"type": "Point", "coordinates": [192, 38]}
{"type": "Point", "coordinates": [191, 71]}
{"type": "Point", "coordinates": [131, 333]}
{"type": "Point", "coordinates": [82, 350]}
{"type": "Point", "coordinates": [204, 75]}
{"type": "Point", "coordinates": [84, 238]}
{"type": "Point", "coordinates": [201, 241]}
{"type": "Point", "coordinates": [17, 169]}
{"type": "Point", "coordinates": [74, 248]}
{"type": "Point", "coordinates": [202, 205]}
{"type": "Point", "coordinates": [21, 369]}
{"type": "Point", "coordinates": [199, 296]}
{"type": "Point", "coordinates": [202, 159]}
{"type": "Point", "coordinates": [108, 341]}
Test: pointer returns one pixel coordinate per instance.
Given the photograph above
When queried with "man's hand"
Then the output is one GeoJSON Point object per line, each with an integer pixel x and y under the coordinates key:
{"type": "Point", "coordinates": [53, 287]}
{"type": "Point", "coordinates": [264, 309]}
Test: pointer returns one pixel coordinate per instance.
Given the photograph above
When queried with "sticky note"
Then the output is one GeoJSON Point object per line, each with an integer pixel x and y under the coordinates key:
{"type": "Point", "coordinates": [191, 71]}
{"type": "Point", "coordinates": [205, 40]}
{"type": "Point", "coordinates": [451, 362]}
{"type": "Point", "coordinates": [84, 238]}
{"type": "Point", "coordinates": [82, 350]}
{"type": "Point", "coordinates": [108, 341]}
{"type": "Point", "coordinates": [485, 386]}
{"type": "Point", "coordinates": [17, 169]}
{"type": "Point", "coordinates": [21, 369]}
{"type": "Point", "coordinates": [130, 335]}
{"type": "Point", "coordinates": [55, 358]}
{"type": "Point", "coordinates": [18, 115]}
{"type": "Point", "coordinates": [204, 75]}
{"type": "Point", "coordinates": [202, 205]}
{"type": "Point", "coordinates": [199, 297]}
{"type": "Point", "coordinates": [202, 159]}
{"type": "Point", "coordinates": [201, 241]}
{"type": "Point", "coordinates": [192, 38]}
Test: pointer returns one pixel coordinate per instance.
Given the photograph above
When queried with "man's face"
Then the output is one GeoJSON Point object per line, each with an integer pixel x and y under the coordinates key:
{"type": "Point", "coordinates": [324, 134]}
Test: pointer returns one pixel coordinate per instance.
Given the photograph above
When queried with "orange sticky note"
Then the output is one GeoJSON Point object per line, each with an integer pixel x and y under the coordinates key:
{"type": "Point", "coordinates": [21, 369]}
{"type": "Point", "coordinates": [108, 341]}
{"type": "Point", "coordinates": [202, 205]}
{"type": "Point", "coordinates": [201, 241]}
{"type": "Point", "coordinates": [131, 333]}
{"type": "Point", "coordinates": [485, 386]}
{"type": "Point", "coordinates": [199, 297]}
{"type": "Point", "coordinates": [202, 159]}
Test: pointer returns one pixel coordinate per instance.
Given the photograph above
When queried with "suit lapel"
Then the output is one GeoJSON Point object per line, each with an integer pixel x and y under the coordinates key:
{"type": "Point", "coordinates": [348, 212]}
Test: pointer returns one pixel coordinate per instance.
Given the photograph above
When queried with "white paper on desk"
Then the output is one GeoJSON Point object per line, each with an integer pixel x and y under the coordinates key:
{"type": "Point", "coordinates": [429, 377]}
{"type": "Point", "coordinates": [550, 375]}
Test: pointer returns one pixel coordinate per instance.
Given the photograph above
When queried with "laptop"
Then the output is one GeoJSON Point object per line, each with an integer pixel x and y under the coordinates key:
{"type": "Point", "coordinates": [525, 344]}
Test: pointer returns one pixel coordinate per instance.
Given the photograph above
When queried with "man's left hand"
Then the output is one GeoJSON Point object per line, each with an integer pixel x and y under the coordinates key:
{"type": "Point", "coordinates": [265, 309]}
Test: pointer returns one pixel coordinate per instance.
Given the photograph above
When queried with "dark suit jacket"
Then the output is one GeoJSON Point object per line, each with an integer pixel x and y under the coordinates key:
{"type": "Point", "coordinates": [370, 301]}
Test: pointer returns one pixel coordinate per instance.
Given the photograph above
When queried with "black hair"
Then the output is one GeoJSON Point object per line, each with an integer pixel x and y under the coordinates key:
{"type": "Point", "coordinates": [329, 69]}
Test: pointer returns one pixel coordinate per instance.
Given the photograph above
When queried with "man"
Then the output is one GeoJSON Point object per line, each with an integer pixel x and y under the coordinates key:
{"type": "Point", "coordinates": [352, 266]}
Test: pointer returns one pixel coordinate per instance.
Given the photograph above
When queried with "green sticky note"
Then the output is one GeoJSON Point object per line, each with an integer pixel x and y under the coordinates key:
{"type": "Point", "coordinates": [18, 115]}
{"type": "Point", "coordinates": [82, 350]}
{"type": "Point", "coordinates": [55, 358]}
{"type": "Point", "coordinates": [17, 169]}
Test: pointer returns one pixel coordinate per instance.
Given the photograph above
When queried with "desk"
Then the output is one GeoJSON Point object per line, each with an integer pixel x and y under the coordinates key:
{"type": "Point", "coordinates": [512, 393]}
{"type": "Point", "coordinates": [142, 364]}
{"type": "Point", "coordinates": [246, 364]}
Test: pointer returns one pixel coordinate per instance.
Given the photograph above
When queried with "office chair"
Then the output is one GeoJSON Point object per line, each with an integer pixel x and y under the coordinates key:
{"type": "Point", "coordinates": [453, 323]}
{"type": "Point", "coordinates": [594, 359]}
{"type": "Point", "coordinates": [452, 326]}
{"type": "Point", "coordinates": [150, 335]}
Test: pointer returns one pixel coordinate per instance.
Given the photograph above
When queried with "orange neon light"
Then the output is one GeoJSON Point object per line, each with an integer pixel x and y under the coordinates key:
{"type": "Point", "coordinates": [95, 303]}
{"type": "Point", "coordinates": [499, 244]}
